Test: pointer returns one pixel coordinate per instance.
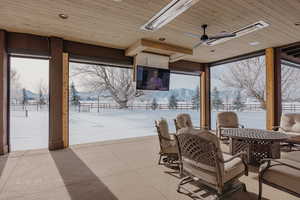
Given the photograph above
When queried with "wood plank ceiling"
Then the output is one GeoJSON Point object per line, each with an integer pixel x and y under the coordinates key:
{"type": "Point", "coordinates": [117, 24]}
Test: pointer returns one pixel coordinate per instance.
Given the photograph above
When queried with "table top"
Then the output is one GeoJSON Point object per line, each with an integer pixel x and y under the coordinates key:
{"type": "Point", "coordinates": [255, 134]}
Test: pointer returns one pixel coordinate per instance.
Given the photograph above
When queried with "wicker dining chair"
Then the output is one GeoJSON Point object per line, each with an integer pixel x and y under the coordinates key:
{"type": "Point", "coordinates": [168, 145]}
{"type": "Point", "coordinates": [226, 120]}
{"type": "Point", "coordinates": [184, 120]}
{"type": "Point", "coordinates": [202, 161]}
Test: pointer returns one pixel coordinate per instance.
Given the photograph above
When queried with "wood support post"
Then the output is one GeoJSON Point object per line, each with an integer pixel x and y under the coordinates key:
{"type": "Point", "coordinates": [205, 98]}
{"type": "Point", "coordinates": [66, 99]}
{"type": "Point", "coordinates": [58, 112]}
{"type": "Point", "coordinates": [273, 87]}
{"type": "Point", "coordinates": [3, 94]}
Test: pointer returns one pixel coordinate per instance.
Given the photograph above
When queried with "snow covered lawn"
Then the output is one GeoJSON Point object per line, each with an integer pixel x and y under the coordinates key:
{"type": "Point", "coordinates": [32, 132]}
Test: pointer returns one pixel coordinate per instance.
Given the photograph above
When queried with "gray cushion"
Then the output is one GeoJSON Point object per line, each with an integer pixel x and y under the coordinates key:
{"type": "Point", "coordinates": [184, 120]}
{"type": "Point", "coordinates": [294, 155]}
{"type": "Point", "coordinates": [284, 176]}
{"type": "Point", "coordinates": [227, 120]}
{"type": "Point", "coordinates": [290, 123]}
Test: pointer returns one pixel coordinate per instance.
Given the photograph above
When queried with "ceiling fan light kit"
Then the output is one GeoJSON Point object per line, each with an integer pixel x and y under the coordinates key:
{"type": "Point", "coordinates": [167, 14]}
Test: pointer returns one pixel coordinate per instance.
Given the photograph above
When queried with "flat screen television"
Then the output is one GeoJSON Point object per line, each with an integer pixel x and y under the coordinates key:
{"type": "Point", "coordinates": [149, 78]}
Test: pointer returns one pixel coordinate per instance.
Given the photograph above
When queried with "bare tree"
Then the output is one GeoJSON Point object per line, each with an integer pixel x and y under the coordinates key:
{"type": "Point", "coordinates": [42, 92]}
{"type": "Point", "coordinates": [15, 86]}
{"type": "Point", "coordinates": [117, 81]}
{"type": "Point", "coordinates": [249, 76]}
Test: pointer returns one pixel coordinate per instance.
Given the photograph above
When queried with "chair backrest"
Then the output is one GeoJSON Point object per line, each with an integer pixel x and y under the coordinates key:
{"type": "Point", "coordinates": [202, 149]}
{"type": "Point", "coordinates": [290, 122]}
{"type": "Point", "coordinates": [227, 120]}
{"type": "Point", "coordinates": [163, 132]}
{"type": "Point", "coordinates": [183, 121]}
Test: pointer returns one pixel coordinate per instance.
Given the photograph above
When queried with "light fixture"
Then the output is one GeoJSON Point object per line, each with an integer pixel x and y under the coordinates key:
{"type": "Point", "coordinates": [254, 43]}
{"type": "Point", "coordinates": [63, 16]}
{"type": "Point", "coordinates": [162, 39]}
{"type": "Point", "coordinates": [167, 14]}
{"type": "Point", "coordinates": [243, 31]}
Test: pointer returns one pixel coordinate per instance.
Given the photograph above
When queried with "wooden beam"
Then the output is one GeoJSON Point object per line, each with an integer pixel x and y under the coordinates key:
{"type": "Point", "coordinates": [56, 83]}
{"type": "Point", "coordinates": [273, 87]}
{"type": "Point", "coordinates": [3, 94]}
{"type": "Point", "coordinates": [187, 67]}
{"type": "Point", "coordinates": [237, 58]}
{"type": "Point", "coordinates": [86, 52]}
{"type": "Point", "coordinates": [27, 44]}
{"type": "Point", "coordinates": [158, 47]}
{"type": "Point", "coordinates": [205, 98]}
{"type": "Point", "coordinates": [290, 58]}
{"type": "Point", "coordinates": [65, 100]}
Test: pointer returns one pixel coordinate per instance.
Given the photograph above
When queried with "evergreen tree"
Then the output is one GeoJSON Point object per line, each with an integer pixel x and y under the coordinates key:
{"type": "Point", "coordinates": [237, 102]}
{"type": "Point", "coordinates": [74, 95]}
{"type": "Point", "coordinates": [154, 104]}
{"type": "Point", "coordinates": [173, 102]}
{"type": "Point", "coordinates": [196, 99]}
{"type": "Point", "coordinates": [217, 102]}
{"type": "Point", "coordinates": [25, 97]}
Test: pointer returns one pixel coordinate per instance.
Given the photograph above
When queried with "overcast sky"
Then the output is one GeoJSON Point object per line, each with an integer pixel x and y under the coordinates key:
{"type": "Point", "coordinates": [32, 71]}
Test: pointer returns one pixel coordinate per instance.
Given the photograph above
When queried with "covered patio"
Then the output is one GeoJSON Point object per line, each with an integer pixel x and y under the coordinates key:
{"type": "Point", "coordinates": [241, 57]}
{"type": "Point", "coordinates": [123, 169]}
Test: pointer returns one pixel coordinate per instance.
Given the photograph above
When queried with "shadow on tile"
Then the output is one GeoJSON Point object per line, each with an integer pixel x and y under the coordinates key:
{"type": "Point", "coordinates": [80, 181]}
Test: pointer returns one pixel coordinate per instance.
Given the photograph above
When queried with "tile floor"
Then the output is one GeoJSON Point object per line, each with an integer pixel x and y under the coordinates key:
{"type": "Point", "coordinates": [113, 170]}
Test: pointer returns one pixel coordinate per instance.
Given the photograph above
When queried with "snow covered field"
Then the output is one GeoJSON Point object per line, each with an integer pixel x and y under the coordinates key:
{"type": "Point", "coordinates": [85, 127]}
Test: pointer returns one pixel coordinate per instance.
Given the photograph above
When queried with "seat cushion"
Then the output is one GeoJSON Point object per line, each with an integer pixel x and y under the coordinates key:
{"type": "Point", "coordinates": [291, 134]}
{"type": "Point", "coordinates": [290, 122]}
{"type": "Point", "coordinates": [232, 168]}
{"type": "Point", "coordinates": [199, 172]}
{"type": "Point", "coordinates": [208, 173]}
{"type": "Point", "coordinates": [284, 176]}
{"type": "Point", "coordinates": [294, 155]}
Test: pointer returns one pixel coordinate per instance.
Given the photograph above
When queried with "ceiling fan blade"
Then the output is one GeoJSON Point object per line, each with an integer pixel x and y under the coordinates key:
{"type": "Point", "coordinates": [222, 35]}
{"type": "Point", "coordinates": [193, 35]}
{"type": "Point", "coordinates": [198, 44]}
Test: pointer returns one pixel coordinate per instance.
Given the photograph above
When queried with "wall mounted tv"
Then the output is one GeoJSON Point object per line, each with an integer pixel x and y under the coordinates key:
{"type": "Point", "coordinates": [149, 78]}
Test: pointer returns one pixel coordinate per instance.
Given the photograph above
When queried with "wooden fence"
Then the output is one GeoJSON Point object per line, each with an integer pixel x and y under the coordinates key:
{"type": "Point", "coordinates": [94, 106]}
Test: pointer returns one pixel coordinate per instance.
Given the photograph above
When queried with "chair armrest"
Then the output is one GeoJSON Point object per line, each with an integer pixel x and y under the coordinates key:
{"type": "Point", "coordinates": [277, 162]}
{"type": "Point", "coordinates": [167, 139]}
{"type": "Point", "coordinates": [201, 127]}
{"type": "Point", "coordinates": [275, 128]}
{"type": "Point", "coordinates": [240, 155]}
{"type": "Point", "coordinates": [241, 125]}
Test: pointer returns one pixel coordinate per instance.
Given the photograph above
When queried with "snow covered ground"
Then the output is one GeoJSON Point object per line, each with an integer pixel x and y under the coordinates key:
{"type": "Point", "coordinates": [85, 127]}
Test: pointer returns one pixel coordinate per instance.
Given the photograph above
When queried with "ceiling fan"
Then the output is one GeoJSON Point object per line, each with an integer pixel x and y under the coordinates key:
{"type": "Point", "coordinates": [205, 39]}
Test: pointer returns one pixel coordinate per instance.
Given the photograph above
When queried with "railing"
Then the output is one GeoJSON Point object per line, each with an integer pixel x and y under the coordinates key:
{"type": "Point", "coordinates": [87, 107]}
{"type": "Point", "coordinates": [94, 106]}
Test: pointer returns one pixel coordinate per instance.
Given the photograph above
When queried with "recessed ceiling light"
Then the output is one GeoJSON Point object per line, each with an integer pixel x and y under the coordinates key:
{"type": "Point", "coordinates": [297, 24]}
{"type": "Point", "coordinates": [162, 39]}
{"type": "Point", "coordinates": [254, 43]}
{"type": "Point", "coordinates": [63, 16]}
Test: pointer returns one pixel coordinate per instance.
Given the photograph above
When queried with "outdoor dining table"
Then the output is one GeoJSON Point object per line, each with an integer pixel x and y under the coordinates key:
{"type": "Point", "coordinates": [257, 143]}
